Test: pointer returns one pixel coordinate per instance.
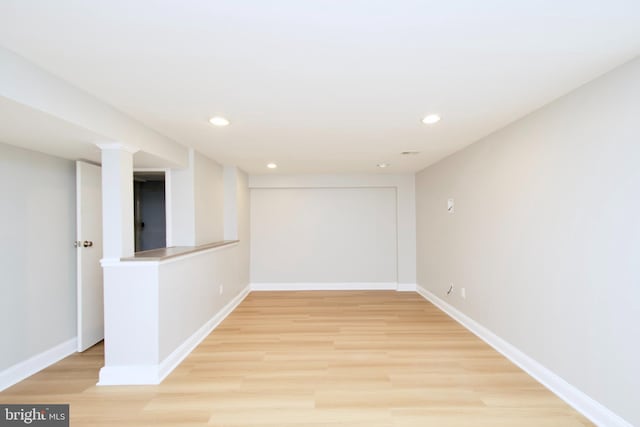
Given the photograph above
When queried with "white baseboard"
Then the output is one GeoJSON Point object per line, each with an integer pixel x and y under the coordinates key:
{"type": "Point", "coordinates": [325, 286]}
{"type": "Point", "coordinates": [154, 374]}
{"type": "Point", "coordinates": [129, 375]}
{"type": "Point", "coordinates": [22, 370]}
{"type": "Point", "coordinates": [406, 287]}
{"type": "Point", "coordinates": [590, 408]}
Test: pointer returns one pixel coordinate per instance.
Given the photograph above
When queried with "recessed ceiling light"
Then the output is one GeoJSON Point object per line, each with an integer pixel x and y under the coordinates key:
{"type": "Point", "coordinates": [272, 165]}
{"type": "Point", "coordinates": [219, 121]}
{"type": "Point", "coordinates": [383, 165]}
{"type": "Point", "coordinates": [430, 119]}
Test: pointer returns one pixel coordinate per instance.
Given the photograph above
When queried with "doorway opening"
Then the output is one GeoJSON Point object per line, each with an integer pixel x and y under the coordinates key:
{"type": "Point", "coordinates": [150, 214]}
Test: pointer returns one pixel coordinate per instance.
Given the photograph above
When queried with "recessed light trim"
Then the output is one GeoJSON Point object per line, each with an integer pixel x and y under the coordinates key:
{"type": "Point", "coordinates": [272, 165]}
{"type": "Point", "coordinates": [431, 119]}
{"type": "Point", "coordinates": [383, 165]}
{"type": "Point", "coordinates": [219, 121]}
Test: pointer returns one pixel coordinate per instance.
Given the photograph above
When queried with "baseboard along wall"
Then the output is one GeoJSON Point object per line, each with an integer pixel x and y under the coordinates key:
{"type": "Point", "coordinates": [334, 286]}
{"type": "Point", "coordinates": [35, 364]}
{"type": "Point", "coordinates": [590, 408]}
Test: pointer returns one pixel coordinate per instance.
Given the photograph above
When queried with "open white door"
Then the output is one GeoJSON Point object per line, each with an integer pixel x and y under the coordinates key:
{"type": "Point", "coordinates": [89, 252]}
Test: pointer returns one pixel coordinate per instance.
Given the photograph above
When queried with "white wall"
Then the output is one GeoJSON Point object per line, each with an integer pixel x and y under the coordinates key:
{"type": "Point", "coordinates": [181, 230]}
{"type": "Point", "coordinates": [243, 205]}
{"type": "Point", "coordinates": [332, 229]}
{"type": "Point", "coordinates": [189, 293]}
{"type": "Point", "coordinates": [196, 198]}
{"type": "Point", "coordinates": [546, 236]}
{"type": "Point", "coordinates": [37, 258]}
{"type": "Point", "coordinates": [236, 216]}
{"type": "Point", "coordinates": [230, 202]}
{"type": "Point", "coordinates": [323, 235]}
{"type": "Point", "coordinates": [209, 200]}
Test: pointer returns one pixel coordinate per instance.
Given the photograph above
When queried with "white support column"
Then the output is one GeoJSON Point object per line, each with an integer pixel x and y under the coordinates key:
{"type": "Point", "coordinates": [117, 200]}
{"type": "Point", "coordinates": [181, 194]}
{"type": "Point", "coordinates": [230, 203]}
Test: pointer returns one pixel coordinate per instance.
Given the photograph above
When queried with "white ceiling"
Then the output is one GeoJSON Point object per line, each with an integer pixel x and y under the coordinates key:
{"type": "Point", "coordinates": [324, 86]}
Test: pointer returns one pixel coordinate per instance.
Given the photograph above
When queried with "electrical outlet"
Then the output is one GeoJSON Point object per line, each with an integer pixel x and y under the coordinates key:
{"type": "Point", "coordinates": [221, 289]}
{"type": "Point", "coordinates": [463, 293]}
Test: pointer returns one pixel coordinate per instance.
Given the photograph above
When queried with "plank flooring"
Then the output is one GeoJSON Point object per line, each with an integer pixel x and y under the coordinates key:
{"type": "Point", "coordinates": [316, 359]}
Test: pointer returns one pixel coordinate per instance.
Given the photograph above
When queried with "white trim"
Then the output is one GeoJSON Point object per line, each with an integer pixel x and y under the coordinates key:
{"type": "Point", "coordinates": [328, 286]}
{"type": "Point", "coordinates": [129, 375]}
{"type": "Point", "coordinates": [158, 169]}
{"type": "Point", "coordinates": [129, 264]}
{"type": "Point", "coordinates": [18, 372]}
{"type": "Point", "coordinates": [590, 408]}
{"type": "Point", "coordinates": [117, 146]}
{"type": "Point", "coordinates": [406, 287]}
{"type": "Point", "coordinates": [155, 374]}
{"type": "Point", "coordinates": [79, 202]}
{"type": "Point", "coordinates": [109, 262]}
{"type": "Point", "coordinates": [168, 207]}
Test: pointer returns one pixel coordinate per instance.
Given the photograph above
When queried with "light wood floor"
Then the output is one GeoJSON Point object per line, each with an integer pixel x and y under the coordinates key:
{"type": "Point", "coordinates": [374, 359]}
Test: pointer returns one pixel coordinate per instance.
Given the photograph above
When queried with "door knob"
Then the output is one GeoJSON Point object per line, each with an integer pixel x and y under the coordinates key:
{"type": "Point", "coordinates": [87, 244]}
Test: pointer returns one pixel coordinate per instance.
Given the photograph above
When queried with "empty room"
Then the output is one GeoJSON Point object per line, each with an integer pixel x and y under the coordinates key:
{"type": "Point", "coordinates": [324, 213]}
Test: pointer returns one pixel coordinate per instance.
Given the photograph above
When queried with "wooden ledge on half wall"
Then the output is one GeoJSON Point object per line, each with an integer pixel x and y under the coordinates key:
{"type": "Point", "coordinates": [162, 254]}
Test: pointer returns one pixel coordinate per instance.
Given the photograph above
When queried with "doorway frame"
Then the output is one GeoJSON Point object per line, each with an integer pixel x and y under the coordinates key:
{"type": "Point", "coordinates": [167, 200]}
